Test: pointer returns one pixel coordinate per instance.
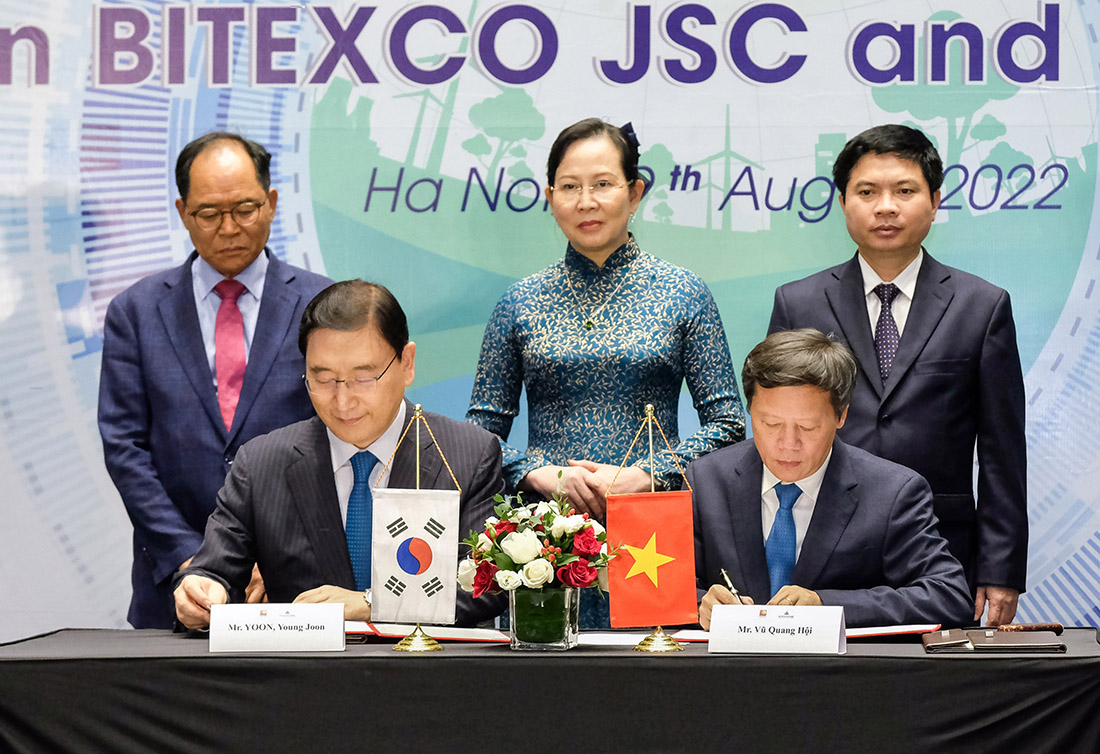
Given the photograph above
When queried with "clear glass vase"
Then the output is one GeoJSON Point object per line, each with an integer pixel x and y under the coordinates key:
{"type": "Point", "coordinates": [544, 619]}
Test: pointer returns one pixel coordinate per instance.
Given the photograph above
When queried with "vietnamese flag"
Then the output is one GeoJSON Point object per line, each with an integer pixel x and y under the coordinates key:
{"type": "Point", "coordinates": [652, 579]}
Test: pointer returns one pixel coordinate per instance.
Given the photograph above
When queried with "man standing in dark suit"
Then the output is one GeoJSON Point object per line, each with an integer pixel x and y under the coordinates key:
{"type": "Point", "coordinates": [197, 360]}
{"type": "Point", "coordinates": [797, 517]}
{"type": "Point", "coordinates": [939, 367]}
{"type": "Point", "coordinates": [293, 501]}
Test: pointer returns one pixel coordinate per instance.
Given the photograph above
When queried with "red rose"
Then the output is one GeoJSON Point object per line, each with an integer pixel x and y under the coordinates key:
{"type": "Point", "coordinates": [504, 527]}
{"type": "Point", "coordinates": [578, 574]}
{"type": "Point", "coordinates": [585, 542]}
{"type": "Point", "coordinates": [483, 579]}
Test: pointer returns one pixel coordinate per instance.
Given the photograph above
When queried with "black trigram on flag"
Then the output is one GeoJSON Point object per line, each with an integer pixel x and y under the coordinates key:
{"type": "Point", "coordinates": [397, 526]}
{"type": "Point", "coordinates": [432, 586]}
{"type": "Point", "coordinates": [434, 528]}
{"type": "Point", "coordinates": [397, 586]}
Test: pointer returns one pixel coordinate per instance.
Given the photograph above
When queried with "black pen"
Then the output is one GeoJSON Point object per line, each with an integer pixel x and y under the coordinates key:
{"type": "Point", "coordinates": [730, 586]}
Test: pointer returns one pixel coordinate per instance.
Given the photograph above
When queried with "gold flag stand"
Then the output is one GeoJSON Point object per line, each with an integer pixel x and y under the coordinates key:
{"type": "Point", "coordinates": [658, 641]}
{"type": "Point", "coordinates": [418, 640]}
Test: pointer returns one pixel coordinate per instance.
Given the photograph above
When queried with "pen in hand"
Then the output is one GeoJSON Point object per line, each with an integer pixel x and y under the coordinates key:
{"type": "Point", "coordinates": [730, 586]}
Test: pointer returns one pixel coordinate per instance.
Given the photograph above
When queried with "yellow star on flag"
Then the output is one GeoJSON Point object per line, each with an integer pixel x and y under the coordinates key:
{"type": "Point", "coordinates": [647, 560]}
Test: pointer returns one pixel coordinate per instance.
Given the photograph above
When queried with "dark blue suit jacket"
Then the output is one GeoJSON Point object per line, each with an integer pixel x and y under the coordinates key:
{"type": "Point", "coordinates": [956, 381]}
{"type": "Point", "coordinates": [871, 547]}
{"type": "Point", "coordinates": [279, 507]}
{"type": "Point", "coordinates": [164, 441]}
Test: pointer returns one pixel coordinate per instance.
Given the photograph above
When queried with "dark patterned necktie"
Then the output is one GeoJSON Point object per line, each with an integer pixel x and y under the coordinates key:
{"type": "Point", "coordinates": [886, 331]}
{"type": "Point", "coordinates": [781, 544]}
{"type": "Point", "coordinates": [358, 526]}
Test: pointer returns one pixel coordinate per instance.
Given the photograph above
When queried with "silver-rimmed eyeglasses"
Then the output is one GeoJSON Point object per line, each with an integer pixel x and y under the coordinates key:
{"type": "Point", "coordinates": [328, 386]}
{"type": "Point", "coordinates": [600, 190]}
{"type": "Point", "coordinates": [244, 214]}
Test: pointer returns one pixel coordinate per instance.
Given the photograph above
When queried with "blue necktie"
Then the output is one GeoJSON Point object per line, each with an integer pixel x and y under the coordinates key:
{"type": "Point", "coordinates": [780, 547]}
{"type": "Point", "coordinates": [358, 526]}
{"type": "Point", "coordinates": [886, 330]}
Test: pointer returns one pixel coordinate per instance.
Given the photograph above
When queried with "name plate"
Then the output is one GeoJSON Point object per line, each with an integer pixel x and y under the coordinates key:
{"type": "Point", "coordinates": [277, 627]}
{"type": "Point", "coordinates": [775, 629]}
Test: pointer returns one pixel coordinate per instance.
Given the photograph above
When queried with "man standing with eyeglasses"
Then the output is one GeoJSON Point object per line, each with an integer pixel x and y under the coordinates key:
{"type": "Point", "coordinates": [298, 500]}
{"type": "Point", "coordinates": [197, 360]}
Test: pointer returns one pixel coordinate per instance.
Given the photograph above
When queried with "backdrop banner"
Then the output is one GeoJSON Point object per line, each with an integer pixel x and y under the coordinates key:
{"type": "Point", "coordinates": [409, 141]}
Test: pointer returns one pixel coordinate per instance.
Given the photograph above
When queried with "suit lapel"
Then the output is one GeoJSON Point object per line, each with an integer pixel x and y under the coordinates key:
{"type": "Point", "coordinates": [747, 525]}
{"type": "Point", "coordinates": [273, 321]}
{"type": "Point", "coordinates": [849, 304]}
{"type": "Point", "coordinates": [313, 492]}
{"type": "Point", "coordinates": [403, 473]}
{"type": "Point", "coordinates": [836, 502]}
{"type": "Point", "coordinates": [931, 297]}
{"type": "Point", "coordinates": [181, 322]}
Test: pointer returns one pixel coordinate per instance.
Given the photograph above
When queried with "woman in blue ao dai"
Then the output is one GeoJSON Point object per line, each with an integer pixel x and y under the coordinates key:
{"type": "Point", "coordinates": [596, 337]}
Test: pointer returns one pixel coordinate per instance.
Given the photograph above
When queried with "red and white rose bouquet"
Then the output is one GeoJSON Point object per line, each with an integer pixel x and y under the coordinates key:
{"type": "Point", "coordinates": [544, 544]}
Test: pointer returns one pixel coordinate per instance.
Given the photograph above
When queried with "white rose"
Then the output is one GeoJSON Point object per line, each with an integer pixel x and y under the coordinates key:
{"type": "Point", "coordinates": [567, 525]}
{"type": "Point", "coordinates": [597, 529]}
{"type": "Point", "coordinates": [538, 572]}
{"type": "Point", "coordinates": [575, 523]}
{"type": "Point", "coordinates": [484, 544]}
{"type": "Point", "coordinates": [467, 569]}
{"type": "Point", "coordinates": [507, 580]}
{"type": "Point", "coordinates": [521, 547]}
{"type": "Point", "coordinates": [542, 509]}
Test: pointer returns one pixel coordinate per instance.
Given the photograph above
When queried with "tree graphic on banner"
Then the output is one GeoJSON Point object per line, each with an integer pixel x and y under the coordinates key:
{"type": "Point", "coordinates": [956, 101]}
{"type": "Point", "coordinates": [510, 118]}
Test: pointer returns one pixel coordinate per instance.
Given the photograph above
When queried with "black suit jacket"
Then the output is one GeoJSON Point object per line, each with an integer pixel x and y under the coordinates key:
{"type": "Point", "coordinates": [279, 508]}
{"type": "Point", "coordinates": [164, 442]}
{"type": "Point", "coordinates": [956, 381]}
{"type": "Point", "coordinates": [871, 547]}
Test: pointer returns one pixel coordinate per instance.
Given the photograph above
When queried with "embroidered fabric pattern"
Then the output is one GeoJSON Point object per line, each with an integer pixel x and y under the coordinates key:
{"type": "Point", "coordinates": [587, 388]}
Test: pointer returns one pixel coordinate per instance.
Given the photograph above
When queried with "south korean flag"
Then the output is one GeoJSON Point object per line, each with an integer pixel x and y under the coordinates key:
{"type": "Point", "coordinates": [414, 561]}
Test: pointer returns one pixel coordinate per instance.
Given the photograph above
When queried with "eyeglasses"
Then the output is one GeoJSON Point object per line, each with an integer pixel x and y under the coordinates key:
{"type": "Point", "coordinates": [244, 214]}
{"type": "Point", "coordinates": [326, 387]}
{"type": "Point", "coordinates": [600, 190]}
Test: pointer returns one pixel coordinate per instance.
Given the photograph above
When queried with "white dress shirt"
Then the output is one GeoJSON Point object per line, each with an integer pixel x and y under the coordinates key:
{"type": "Point", "coordinates": [803, 509]}
{"type": "Point", "coordinates": [382, 448]}
{"type": "Point", "coordinates": [906, 281]}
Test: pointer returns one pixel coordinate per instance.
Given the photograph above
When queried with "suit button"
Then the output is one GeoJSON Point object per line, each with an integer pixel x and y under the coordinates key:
{"type": "Point", "coordinates": [228, 461]}
{"type": "Point", "coordinates": [885, 419]}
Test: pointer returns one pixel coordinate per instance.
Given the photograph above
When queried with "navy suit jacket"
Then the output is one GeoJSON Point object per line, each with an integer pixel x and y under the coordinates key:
{"type": "Point", "coordinates": [871, 547]}
{"type": "Point", "coordinates": [279, 508]}
{"type": "Point", "coordinates": [956, 381]}
{"type": "Point", "coordinates": [164, 442]}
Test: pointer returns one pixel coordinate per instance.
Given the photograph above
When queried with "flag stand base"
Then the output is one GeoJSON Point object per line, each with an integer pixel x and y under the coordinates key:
{"type": "Point", "coordinates": [659, 641]}
{"type": "Point", "coordinates": [418, 641]}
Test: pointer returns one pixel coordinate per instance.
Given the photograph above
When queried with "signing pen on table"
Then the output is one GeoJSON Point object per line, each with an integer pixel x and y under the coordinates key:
{"type": "Point", "coordinates": [730, 586]}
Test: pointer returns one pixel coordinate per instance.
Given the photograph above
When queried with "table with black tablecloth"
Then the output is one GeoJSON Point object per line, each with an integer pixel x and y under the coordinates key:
{"type": "Point", "coordinates": [123, 691]}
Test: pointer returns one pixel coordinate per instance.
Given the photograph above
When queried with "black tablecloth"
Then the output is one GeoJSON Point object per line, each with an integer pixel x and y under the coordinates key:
{"type": "Point", "coordinates": [121, 691]}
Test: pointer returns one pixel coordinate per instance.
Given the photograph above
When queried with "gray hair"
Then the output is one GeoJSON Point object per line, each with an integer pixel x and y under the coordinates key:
{"type": "Point", "coordinates": [802, 357]}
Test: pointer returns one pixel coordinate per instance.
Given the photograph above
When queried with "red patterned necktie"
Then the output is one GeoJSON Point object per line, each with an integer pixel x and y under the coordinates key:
{"type": "Point", "coordinates": [229, 357]}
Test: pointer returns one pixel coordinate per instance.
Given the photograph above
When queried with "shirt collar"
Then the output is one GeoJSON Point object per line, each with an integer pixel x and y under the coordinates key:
{"type": "Point", "coordinates": [906, 281]}
{"type": "Point", "coordinates": [383, 448]}
{"type": "Point", "coordinates": [810, 486]}
{"type": "Point", "coordinates": [251, 276]}
{"type": "Point", "coordinates": [585, 267]}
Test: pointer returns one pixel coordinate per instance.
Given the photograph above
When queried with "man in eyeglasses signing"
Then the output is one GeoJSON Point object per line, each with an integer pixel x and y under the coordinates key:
{"type": "Point", "coordinates": [295, 498]}
{"type": "Point", "coordinates": [197, 360]}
